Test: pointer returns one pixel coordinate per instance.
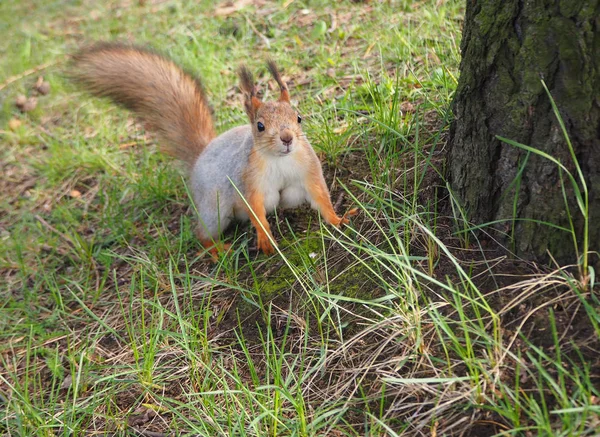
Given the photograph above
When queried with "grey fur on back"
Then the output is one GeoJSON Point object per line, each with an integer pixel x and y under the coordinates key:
{"type": "Point", "coordinates": [221, 166]}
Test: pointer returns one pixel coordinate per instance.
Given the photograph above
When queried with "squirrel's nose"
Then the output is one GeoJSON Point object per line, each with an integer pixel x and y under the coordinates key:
{"type": "Point", "coordinates": [286, 137]}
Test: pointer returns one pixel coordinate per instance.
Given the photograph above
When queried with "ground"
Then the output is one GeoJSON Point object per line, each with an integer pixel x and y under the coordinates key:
{"type": "Point", "coordinates": [406, 322]}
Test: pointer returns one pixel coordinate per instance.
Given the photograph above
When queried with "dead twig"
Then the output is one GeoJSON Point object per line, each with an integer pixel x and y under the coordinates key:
{"type": "Point", "coordinates": [56, 231]}
{"type": "Point", "coordinates": [28, 73]}
{"type": "Point", "coordinates": [260, 35]}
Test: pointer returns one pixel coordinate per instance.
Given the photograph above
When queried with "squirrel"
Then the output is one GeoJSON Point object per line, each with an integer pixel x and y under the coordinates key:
{"type": "Point", "coordinates": [269, 161]}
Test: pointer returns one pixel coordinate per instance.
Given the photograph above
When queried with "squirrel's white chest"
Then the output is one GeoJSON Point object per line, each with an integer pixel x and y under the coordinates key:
{"type": "Point", "coordinates": [283, 183]}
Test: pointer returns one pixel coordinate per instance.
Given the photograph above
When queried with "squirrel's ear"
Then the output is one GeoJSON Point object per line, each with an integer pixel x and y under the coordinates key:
{"type": "Point", "coordinates": [251, 102]}
{"type": "Point", "coordinates": [285, 94]}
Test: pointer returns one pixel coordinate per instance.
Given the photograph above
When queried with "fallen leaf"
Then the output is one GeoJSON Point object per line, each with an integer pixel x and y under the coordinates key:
{"type": "Point", "coordinates": [20, 101]}
{"type": "Point", "coordinates": [127, 145]}
{"type": "Point", "coordinates": [67, 382]}
{"type": "Point", "coordinates": [407, 107]}
{"type": "Point", "coordinates": [319, 29]}
{"type": "Point", "coordinates": [14, 124]}
{"type": "Point", "coordinates": [26, 104]}
{"type": "Point", "coordinates": [341, 129]}
{"type": "Point", "coordinates": [144, 416]}
{"type": "Point", "coordinates": [44, 88]}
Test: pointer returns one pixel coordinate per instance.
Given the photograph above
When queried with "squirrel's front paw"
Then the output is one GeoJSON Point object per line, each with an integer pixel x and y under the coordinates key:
{"type": "Point", "coordinates": [264, 245]}
{"type": "Point", "coordinates": [344, 220]}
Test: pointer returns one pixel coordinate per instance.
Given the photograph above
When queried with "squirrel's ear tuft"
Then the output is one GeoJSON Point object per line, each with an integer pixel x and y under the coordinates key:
{"type": "Point", "coordinates": [251, 102]}
{"type": "Point", "coordinates": [285, 94]}
{"type": "Point", "coordinates": [246, 80]}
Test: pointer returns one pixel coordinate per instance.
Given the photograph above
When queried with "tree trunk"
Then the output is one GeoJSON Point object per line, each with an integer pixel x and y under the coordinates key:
{"type": "Point", "coordinates": [508, 47]}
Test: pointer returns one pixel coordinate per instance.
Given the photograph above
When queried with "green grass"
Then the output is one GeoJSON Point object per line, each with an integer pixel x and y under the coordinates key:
{"type": "Point", "coordinates": [112, 322]}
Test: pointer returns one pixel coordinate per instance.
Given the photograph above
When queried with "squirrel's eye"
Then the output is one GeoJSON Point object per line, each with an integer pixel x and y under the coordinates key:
{"type": "Point", "coordinates": [299, 119]}
{"type": "Point", "coordinates": [260, 126]}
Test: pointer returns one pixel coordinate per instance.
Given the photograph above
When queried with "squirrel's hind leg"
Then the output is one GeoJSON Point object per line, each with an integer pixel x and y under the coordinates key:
{"type": "Point", "coordinates": [215, 249]}
{"type": "Point", "coordinates": [212, 245]}
{"type": "Point", "coordinates": [208, 232]}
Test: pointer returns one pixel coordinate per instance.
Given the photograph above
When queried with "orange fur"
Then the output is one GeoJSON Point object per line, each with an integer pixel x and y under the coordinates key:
{"type": "Point", "coordinates": [258, 217]}
{"type": "Point", "coordinates": [256, 207]}
{"type": "Point", "coordinates": [320, 195]}
{"type": "Point", "coordinates": [315, 185]}
{"type": "Point", "coordinates": [215, 248]}
{"type": "Point", "coordinates": [285, 94]}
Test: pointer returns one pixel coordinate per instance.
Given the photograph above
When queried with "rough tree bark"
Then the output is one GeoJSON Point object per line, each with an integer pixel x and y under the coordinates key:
{"type": "Point", "coordinates": [508, 46]}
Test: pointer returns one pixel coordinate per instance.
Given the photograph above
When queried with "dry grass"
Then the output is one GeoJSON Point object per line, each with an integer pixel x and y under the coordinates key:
{"type": "Point", "coordinates": [113, 324]}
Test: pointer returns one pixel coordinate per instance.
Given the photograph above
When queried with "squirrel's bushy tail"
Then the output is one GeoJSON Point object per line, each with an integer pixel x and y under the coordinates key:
{"type": "Point", "coordinates": [153, 87]}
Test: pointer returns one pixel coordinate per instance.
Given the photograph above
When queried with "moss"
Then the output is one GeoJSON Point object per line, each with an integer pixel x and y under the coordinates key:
{"type": "Point", "coordinates": [356, 282]}
{"type": "Point", "coordinates": [569, 8]}
{"type": "Point", "coordinates": [277, 283]}
{"type": "Point", "coordinates": [351, 282]}
{"type": "Point", "coordinates": [577, 80]}
{"type": "Point", "coordinates": [282, 278]}
{"type": "Point", "coordinates": [492, 13]}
